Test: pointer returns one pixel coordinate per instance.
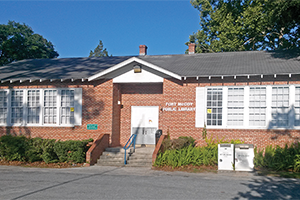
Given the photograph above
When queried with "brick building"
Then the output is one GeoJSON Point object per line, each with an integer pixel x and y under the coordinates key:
{"type": "Point", "coordinates": [251, 96]}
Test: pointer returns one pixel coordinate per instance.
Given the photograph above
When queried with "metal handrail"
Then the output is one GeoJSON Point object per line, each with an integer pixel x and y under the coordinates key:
{"type": "Point", "coordinates": [133, 137]}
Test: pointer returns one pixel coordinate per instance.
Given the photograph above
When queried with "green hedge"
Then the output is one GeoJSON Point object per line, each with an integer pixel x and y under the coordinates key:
{"type": "Point", "coordinates": [20, 148]}
{"type": "Point", "coordinates": [182, 152]}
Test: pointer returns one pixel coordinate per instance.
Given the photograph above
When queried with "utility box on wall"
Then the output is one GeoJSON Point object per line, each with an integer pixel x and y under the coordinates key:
{"type": "Point", "coordinates": [225, 156]}
{"type": "Point", "coordinates": [244, 155]}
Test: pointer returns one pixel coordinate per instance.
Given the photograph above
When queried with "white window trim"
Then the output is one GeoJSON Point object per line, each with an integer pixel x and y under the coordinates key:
{"type": "Point", "coordinates": [77, 108]}
{"type": "Point", "coordinates": [7, 108]}
{"type": "Point", "coordinates": [246, 125]}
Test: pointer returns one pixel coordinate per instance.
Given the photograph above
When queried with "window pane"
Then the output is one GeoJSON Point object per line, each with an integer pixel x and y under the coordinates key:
{"type": "Point", "coordinates": [33, 106]}
{"type": "Point", "coordinates": [67, 107]}
{"type": "Point", "coordinates": [257, 104]}
{"type": "Point", "coordinates": [16, 106]}
{"type": "Point", "coordinates": [214, 106]}
{"type": "Point", "coordinates": [50, 106]}
{"type": "Point", "coordinates": [280, 106]}
{"type": "Point", "coordinates": [235, 103]}
{"type": "Point", "coordinates": [3, 106]}
{"type": "Point", "coordinates": [297, 106]}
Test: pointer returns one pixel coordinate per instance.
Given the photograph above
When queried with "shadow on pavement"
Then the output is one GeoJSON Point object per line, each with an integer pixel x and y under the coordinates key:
{"type": "Point", "coordinates": [271, 188]}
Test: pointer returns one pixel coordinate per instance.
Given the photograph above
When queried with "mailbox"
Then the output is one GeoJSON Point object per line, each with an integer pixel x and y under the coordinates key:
{"type": "Point", "coordinates": [225, 156]}
{"type": "Point", "coordinates": [244, 155]}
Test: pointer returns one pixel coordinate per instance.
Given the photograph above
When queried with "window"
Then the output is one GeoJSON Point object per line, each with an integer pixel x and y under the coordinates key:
{"type": "Point", "coordinates": [214, 106]}
{"type": "Point", "coordinates": [67, 106]}
{"type": "Point", "coordinates": [41, 107]}
{"type": "Point", "coordinates": [17, 106]}
{"type": "Point", "coordinates": [33, 106]}
{"type": "Point", "coordinates": [257, 106]}
{"type": "Point", "coordinates": [50, 112]}
{"type": "Point", "coordinates": [235, 110]}
{"type": "Point", "coordinates": [297, 106]}
{"type": "Point", "coordinates": [3, 107]}
{"type": "Point", "coordinates": [280, 106]}
{"type": "Point", "coordinates": [249, 106]}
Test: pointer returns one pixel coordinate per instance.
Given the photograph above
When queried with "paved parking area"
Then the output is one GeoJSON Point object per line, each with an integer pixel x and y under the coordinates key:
{"type": "Point", "coordinates": [139, 183]}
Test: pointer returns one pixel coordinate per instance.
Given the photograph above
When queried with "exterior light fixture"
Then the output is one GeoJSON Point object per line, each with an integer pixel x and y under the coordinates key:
{"type": "Point", "coordinates": [137, 69]}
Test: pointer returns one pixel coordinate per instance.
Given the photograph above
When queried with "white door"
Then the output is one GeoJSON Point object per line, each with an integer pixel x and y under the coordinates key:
{"type": "Point", "coordinates": [144, 123]}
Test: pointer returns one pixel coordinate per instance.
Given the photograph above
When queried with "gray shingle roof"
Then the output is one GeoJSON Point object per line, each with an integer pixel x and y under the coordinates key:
{"type": "Point", "coordinates": [230, 63]}
{"type": "Point", "coordinates": [210, 64]}
{"type": "Point", "coordinates": [59, 68]}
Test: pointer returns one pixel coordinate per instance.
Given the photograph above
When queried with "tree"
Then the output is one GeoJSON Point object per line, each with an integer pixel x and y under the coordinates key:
{"type": "Point", "coordinates": [237, 25]}
{"type": "Point", "coordinates": [18, 42]}
{"type": "Point", "coordinates": [99, 51]}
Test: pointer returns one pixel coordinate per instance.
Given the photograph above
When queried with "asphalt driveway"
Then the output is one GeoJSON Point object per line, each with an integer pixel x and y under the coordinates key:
{"type": "Point", "coordinates": [139, 183]}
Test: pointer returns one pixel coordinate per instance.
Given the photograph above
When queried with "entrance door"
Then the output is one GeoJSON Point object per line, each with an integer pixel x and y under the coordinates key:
{"type": "Point", "coordinates": [144, 123]}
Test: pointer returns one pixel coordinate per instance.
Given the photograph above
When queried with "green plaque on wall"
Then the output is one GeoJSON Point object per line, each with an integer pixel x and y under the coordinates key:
{"type": "Point", "coordinates": [92, 126]}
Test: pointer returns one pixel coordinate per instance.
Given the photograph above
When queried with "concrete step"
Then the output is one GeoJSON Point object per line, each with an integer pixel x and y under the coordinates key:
{"type": "Point", "coordinates": [144, 150]}
{"type": "Point", "coordinates": [110, 164]}
{"type": "Point", "coordinates": [139, 165]}
{"type": "Point", "coordinates": [140, 156]}
{"type": "Point", "coordinates": [115, 155]}
{"type": "Point", "coordinates": [112, 158]}
{"type": "Point", "coordinates": [139, 161]}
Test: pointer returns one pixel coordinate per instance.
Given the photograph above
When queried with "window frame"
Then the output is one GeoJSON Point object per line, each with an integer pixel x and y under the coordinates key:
{"type": "Point", "coordinates": [235, 107]}
{"type": "Point", "coordinates": [246, 125]}
{"type": "Point", "coordinates": [7, 107]}
{"type": "Point", "coordinates": [77, 108]}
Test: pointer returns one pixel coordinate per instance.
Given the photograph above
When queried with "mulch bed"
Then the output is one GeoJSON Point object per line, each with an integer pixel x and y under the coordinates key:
{"type": "Point", "coordinates": [40, 164]}
{"type": "Point", "coordinates": [189, 168]}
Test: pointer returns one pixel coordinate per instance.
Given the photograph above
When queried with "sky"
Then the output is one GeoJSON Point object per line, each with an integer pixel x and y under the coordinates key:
{"type": "Point", "coordinates": [75, 27]}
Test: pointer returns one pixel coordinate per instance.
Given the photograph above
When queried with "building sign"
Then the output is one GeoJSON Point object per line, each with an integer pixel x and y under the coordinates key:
{"type": "Point", "coordinates": [179, 106]}
{"type": "Point", "coordinates": [92, 126]}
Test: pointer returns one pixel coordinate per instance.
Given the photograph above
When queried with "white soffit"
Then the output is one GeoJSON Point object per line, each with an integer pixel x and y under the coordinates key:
{"type": "Point", "coordinates": [130, 60]}
{"type": "Point", "coordinates": [143, 77]}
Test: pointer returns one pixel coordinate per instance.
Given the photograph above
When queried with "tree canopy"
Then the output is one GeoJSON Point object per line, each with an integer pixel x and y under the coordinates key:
{"type": "Point", "coordinates": [99, 51]}
{"type": "Point", "coordinates": [18, 42]}
{"type": "Point", "coordinates": [238, 25]}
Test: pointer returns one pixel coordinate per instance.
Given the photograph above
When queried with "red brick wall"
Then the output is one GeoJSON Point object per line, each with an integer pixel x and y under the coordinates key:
{"type": "Point", "coordinates": [100, 106]}
{"type": "Point", "coordinates": [97, 100]}
{"type": "Point", "coordinates": [182, 123]}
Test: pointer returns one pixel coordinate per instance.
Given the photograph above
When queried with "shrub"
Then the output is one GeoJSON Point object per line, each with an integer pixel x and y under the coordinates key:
{"type": "Point", "coordinates": [48, 155]}
{"type": "Point", "coordinates": [35, 151]}
{"type": "Point", "coordinates": [13, 147]}
{"type": "Point", "coordinates": [21, 148]}
{"type": "Point", "coordinates": [182, 152]}
{"type": "Point", "coordinates": [71, 150]}
{"type": "Point", "coordinates": [297, 163]}
{"type": "Point", "coordinates": [178, 143]}
{"type": "Point", "coordinates": [278, 158]}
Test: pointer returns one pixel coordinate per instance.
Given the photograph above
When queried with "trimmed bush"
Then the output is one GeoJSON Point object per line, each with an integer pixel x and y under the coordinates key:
{"type": "Point", "coordinates": [20, 148]}
{"type": "Point", "coordinates": [71, 150]}
{"type": "Point", "coordinates": [13, 147]}
{"type": "Point", "coordinates": [178, 143]}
